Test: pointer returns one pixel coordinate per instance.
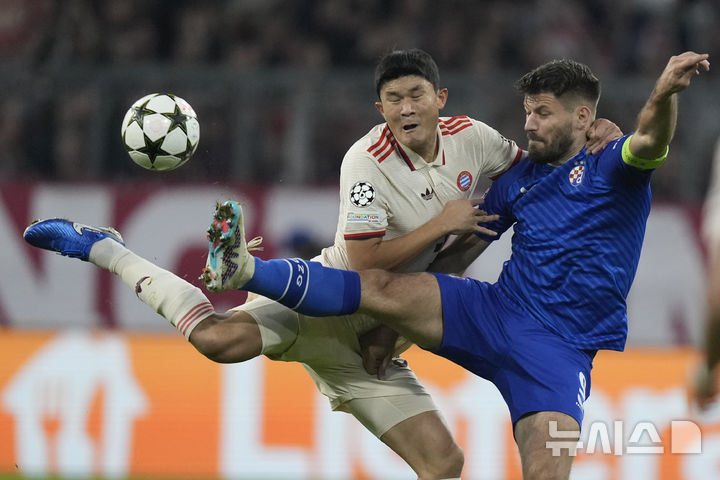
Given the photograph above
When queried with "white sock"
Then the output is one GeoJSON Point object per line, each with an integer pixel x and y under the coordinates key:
{"type": "Point", "coordinates": [181, 303]}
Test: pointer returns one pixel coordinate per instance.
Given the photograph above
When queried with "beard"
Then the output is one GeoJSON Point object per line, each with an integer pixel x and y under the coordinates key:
{"type": "Point", "coordinates": [552, 150]}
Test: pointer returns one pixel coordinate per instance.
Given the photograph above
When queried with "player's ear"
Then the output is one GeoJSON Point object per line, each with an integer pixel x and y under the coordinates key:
{"type": "Point", "coordinates": [584, 116]}
{"type": "Point", "coordinates": [442, 96]}
{"type": "Point", "coordinates": [379, 107]}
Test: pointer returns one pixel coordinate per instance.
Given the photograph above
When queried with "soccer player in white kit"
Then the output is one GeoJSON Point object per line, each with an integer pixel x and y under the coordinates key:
{"type": "Point", "coordinates": [404, 187]}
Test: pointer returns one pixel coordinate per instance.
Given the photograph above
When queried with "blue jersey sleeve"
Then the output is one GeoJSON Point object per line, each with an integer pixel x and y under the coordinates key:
{"type": "Point", "coordinates": [495, 204]}
{"type": "Point", "coordinates": [620, 167]}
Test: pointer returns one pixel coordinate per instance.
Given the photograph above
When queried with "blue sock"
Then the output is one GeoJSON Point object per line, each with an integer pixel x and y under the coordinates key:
{"type": "Point", "coordinates": [306, 287]}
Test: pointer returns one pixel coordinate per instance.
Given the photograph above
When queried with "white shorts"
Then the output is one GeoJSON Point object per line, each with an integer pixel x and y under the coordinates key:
{"type": "Point", "coordinates": [329, 350]}
{"type": "Point", "coordinates": [380, 414]}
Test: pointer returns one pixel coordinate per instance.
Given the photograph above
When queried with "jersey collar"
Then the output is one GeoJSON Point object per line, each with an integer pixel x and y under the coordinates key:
{"type": "Point", "coordinates": [413, 160]}
{"type": "Point", "coordinates": [387, 144]}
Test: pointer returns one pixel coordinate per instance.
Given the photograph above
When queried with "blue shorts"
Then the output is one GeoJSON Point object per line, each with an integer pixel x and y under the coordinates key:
{"type": "Point", "coordinates": [489, 334]}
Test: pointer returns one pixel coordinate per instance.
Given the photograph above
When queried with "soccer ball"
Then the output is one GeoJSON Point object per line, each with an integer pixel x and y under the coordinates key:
{"type": "Point", "coordinates": [160, 131]}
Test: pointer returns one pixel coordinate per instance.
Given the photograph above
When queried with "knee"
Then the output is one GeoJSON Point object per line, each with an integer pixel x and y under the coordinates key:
{"type": "Point", "coordinates": [225, 340]}
{"type": "Point", "coordinates": [384, 287]}
{"type": "Point", "coordinates": [205, 339]}
{"type": "Point", "coordinates": [447, 463]}
{"type": "Point", "coordinates": [454, 460]}
{"type": "Point", "coordinates": [375, 279]}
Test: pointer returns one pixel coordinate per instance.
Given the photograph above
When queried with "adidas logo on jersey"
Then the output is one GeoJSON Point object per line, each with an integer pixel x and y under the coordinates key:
{"type": "Point", "coordinates": [428, 195]}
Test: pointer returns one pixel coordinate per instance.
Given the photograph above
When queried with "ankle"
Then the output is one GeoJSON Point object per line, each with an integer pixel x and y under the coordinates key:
{"type": "Point", "coordinates": [106, 253]}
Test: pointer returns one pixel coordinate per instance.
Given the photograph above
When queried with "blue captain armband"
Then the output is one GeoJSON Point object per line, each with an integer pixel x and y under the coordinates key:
{"type": "Point", "coordinates": [641, 163]}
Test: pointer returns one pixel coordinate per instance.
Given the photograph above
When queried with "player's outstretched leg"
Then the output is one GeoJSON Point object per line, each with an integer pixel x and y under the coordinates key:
{"type": "Point", "coordinates": [68, 238]}
{"type": "Point", "coordinates": [181, 303]}
{"type": "Point", "coordinates": [306, 287]}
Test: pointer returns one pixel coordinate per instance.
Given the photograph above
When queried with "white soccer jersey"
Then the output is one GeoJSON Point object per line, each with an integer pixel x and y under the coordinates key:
{"type": "Point", "coordinates": [387, 190]}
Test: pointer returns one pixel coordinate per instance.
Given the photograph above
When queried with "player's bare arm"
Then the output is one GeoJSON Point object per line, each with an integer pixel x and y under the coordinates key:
{"type": "Point", "coordinates": [457, 257]}
{"type": "Point", "coordinates": [457, 217]}
{"type": "Point", "coordinates": [657, 119]}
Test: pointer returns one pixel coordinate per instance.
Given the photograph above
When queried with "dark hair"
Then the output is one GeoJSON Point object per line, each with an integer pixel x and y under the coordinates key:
{"type": "Point", "coordinates": [560, 77]}
{"type": "Point", "coordinates": [401, 63]}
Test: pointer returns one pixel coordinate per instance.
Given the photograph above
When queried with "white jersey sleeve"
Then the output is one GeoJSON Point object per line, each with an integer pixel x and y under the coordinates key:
{"type": "Point", "coordinates": [363, 197]}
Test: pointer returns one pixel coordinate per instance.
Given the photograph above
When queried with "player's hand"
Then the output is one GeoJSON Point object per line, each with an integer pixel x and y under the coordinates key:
{"type": "Point", "coordinates": [377, 348]}
{"type": "Point", "coordinates": [679, 71]}
{"type": "Point", "coordinates": [463, 215]}
{"type": "Point", "coordinates": [601, 132]}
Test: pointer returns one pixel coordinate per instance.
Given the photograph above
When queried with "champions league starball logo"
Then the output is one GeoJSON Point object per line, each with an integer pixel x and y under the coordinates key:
{"type": "Point", "coordinates": [362, 194]}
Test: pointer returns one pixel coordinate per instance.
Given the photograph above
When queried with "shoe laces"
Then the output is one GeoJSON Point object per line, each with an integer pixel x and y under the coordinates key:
{"type": "Point", "coordinates": [254, 244]}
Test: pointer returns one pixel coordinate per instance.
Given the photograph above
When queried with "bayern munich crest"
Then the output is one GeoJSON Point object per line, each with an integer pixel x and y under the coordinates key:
{"type": "Point", "coordinates": [576, 175]}
{"type": "Point", "coordinates": [362, 194]}
{"type": "Point", "coordinates": [464, 180]}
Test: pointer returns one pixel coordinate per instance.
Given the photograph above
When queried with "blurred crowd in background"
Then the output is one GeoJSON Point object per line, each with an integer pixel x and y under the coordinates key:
{"type": "Point", "coordinates": [283, 87]}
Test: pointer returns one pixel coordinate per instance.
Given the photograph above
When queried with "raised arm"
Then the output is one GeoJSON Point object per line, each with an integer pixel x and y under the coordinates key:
{"type": "Point", "coordinates": [657, 119]}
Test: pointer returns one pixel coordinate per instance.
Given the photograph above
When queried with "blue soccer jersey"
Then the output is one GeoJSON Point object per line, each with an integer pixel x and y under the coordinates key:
{"type": "Point", "coordinates": [578, 232]}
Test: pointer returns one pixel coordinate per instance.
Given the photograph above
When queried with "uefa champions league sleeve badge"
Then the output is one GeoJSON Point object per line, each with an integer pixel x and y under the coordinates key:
{"type": "Point", "coordinates": [362, 194]}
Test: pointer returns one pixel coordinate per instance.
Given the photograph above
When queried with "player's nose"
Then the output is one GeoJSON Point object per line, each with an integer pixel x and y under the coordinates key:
{"type": "Point", "coordinates": [406, 108]}
{"type": "Point", "coordinates": [530, 123]}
